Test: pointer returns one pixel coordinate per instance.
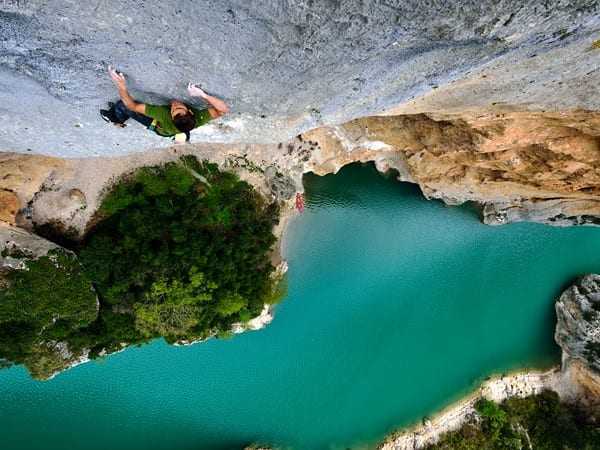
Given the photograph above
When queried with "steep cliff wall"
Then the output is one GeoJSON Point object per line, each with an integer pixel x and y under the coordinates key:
{"type": "Point", "coordinates": [486, 101]}
{"type": "Point", "coordinates": [578, 312]}
{"type": "Point", "coordinates": [285, 66]}
{"type": "Point", "coordinates": [578, 334]}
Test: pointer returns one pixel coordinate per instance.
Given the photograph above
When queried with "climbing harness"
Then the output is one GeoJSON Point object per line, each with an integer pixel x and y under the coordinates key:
{"type": "Point", "coordinates": [152, 126]}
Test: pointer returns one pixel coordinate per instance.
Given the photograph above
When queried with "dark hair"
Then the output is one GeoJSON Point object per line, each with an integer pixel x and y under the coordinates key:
{"type": "Point", "coordinates": [185, 123]}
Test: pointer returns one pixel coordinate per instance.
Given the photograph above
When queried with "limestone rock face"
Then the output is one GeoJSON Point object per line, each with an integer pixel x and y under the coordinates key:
{"type": "Point", "coordinates": [578, 327]}
{"type": "Point", "coordinates": [284, 66]}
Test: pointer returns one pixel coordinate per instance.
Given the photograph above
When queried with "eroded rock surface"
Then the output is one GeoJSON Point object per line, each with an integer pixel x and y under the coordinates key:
{"type": "Point", "coordinates": [578, 334]}
{"type": "Point", "coordinates": [520, 166]}
{"type": "Point", "coordinates": [284, 66]}
{"type": "Point", "coordinates": [578, 328]}
{"type": "Point", "coordinates": [534, 166]}
{"type": "Point", "coordinates": [21, 178]}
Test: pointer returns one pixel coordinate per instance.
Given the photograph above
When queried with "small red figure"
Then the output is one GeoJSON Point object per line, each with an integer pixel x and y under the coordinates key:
{"type": "Point", "coordinates": [299, 202]}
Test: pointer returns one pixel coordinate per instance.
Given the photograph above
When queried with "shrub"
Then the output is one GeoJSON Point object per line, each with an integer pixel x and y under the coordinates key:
{"type": "Point", "coordinates": [541, 419]}
{"type": "Point", "coordinates": [47, 301]}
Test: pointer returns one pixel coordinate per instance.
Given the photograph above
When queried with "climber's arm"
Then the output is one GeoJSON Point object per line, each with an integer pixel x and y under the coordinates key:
{"type": "Point", "coordinates": [217, 106]}
{"type": "Point", "coordinates": [130, 103]}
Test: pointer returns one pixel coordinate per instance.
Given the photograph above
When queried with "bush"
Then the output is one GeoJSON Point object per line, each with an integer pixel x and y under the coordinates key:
{"type": "Point", "coordinates": [540, 419]}
{"type": "Point", "coordinates": [50, 299]}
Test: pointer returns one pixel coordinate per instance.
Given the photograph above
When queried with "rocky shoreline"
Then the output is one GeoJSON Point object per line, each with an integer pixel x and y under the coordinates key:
{"type": "Point", "coordinates": [496, 388]}
{"type": "Point", "coordinates": [572, 385]}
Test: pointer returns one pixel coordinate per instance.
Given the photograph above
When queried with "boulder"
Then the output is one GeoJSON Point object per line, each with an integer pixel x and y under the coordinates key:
{"type": "Point", "coordinates": [18, 245]}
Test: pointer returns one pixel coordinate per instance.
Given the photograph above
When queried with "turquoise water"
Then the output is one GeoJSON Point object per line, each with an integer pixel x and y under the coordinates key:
{"type": "Point", "coordinates": [396, 307]}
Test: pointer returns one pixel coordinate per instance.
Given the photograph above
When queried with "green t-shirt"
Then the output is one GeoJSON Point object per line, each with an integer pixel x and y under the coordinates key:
{"type": "Point", "coordinates": [165, 126]}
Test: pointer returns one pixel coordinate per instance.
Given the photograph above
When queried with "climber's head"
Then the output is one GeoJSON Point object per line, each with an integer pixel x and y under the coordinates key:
{"type": "Point", "coordinates": [183, 116]}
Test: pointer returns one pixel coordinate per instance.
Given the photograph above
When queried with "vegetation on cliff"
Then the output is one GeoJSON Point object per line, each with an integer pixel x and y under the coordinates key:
{"type": "Point", "coordinates": [183, 248]}
{"type": "Point", "coordinates": [45, 302]}
{"type": "Point", "coordinates": [180, 251]}
{"type": "Point", "coordinates": [540, 422]}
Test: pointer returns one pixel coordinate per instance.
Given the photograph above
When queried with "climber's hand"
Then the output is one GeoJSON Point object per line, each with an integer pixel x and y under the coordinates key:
{"type": "Point", "coordinates": [195, 91]}
{"type": "Point", "coordinates": [117, 77]}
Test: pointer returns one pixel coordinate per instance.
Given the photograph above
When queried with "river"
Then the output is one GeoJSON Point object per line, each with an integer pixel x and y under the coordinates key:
{"type": "Point", "coordinates": [396, 306]}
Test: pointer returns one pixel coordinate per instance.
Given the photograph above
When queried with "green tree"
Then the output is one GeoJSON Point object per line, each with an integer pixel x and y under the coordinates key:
{"type": "Point", "coordinates": [44, 303]}
{"type": "Point", "coordinates": [230, 304]}
{"type": "Point", "coordinates": [168, 320]}
{"type": "Point", "coordinates": [172, 308]}
{"type": "Point", "coordinates": [542, 421]}
{"type": "Point", "coordinates": [185, 248]}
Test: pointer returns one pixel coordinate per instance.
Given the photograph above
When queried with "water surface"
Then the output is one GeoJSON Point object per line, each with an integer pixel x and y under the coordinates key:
{"type": "Point", "coordinates": [396, 307]}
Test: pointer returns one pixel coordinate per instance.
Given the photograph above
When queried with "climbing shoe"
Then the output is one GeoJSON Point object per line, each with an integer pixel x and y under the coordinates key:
{"type": "Point", "coordinates": [108, 115]}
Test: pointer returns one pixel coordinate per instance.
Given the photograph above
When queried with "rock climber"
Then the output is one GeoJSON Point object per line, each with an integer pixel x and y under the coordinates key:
{"type": "Point", "coordinates": [176, 119]}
